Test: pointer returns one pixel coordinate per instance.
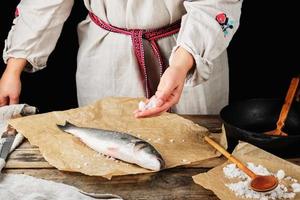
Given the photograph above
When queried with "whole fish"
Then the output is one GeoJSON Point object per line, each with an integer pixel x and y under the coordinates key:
{"type": "Point", "coordinates": [118, 145]}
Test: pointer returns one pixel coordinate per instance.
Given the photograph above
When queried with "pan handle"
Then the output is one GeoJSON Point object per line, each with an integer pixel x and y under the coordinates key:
{"type": "Point", "coordinates": [260, 137]}
{"type": "Point", "coordinates": [297, 95]}
{"type": "Point", "coordinates": [297, 98]}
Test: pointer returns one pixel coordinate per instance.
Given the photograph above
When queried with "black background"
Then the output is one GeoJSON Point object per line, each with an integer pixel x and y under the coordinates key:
{"type": "Point", "coordinates": [263, 56]}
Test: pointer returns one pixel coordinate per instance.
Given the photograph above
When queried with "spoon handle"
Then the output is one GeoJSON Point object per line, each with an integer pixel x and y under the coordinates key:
{"type": "Point", "coordinates": [230, 157]}
{"type": "Point", "coordinates": [287, 103]}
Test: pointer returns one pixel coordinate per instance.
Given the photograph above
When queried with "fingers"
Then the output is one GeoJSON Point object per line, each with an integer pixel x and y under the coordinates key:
{"type": "Point", "coordinates": [150, 112]}
{"type": "Point", "coordinates": [3, 101]}
{"type": "Point", "coordinates": [8, 101]}
{"type": "Point", "coordinates": [13, 100]}
{"type": "Point", "coordinates": [142, 115]}
{"type": "Point", "coordinates": [172, 100]}
{"type": "Point", "coordinates": [10, 87]}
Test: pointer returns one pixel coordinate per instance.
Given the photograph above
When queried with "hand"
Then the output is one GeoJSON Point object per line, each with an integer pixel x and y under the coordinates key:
{"type": "Point", "coordinates": [171, 84]}
{"type": "Point", "coordinates": [10, 83]}
{"type": "Point", "coordinates": [168, 92]}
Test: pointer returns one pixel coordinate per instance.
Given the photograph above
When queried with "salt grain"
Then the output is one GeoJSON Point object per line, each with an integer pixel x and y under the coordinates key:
{"type": "Point", "coordinates": [99, 155]}
{"type": "Point", "coordinates": [241, 188]}
{"type": "Point", "coordinates": [151, 104]}
{"type": "Point", "coordinates": [231, 171]}
{"type": "Point", "coordinates": [85, 164]}
{"type": "Point", "coordinates": [296, 187]}
{"type": "Point", "coordinates": [259, 169]}
{"type": "Point", "coordinates": [142, 105]}
{"type": "Point", "coordinates": [171, 140]}
{"type": "Point", "coordinates": [280, 174]}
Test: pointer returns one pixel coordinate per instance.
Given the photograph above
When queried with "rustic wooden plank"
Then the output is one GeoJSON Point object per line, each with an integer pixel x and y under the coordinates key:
{"type": "Point", "coordinates": [26, 145]}
{"type": "Point", "coordinates": [294, 160]}
{"type": "Point", "coordinates": [168, 184]}
{"type": "Point", "coordinates": [33, 159]}
{"type": "Point", "coordinates": [211, 122]}
{"type": "Point", "coordinates": [27, 158]}
{"type": "Point", "coordinates": [209, 163]}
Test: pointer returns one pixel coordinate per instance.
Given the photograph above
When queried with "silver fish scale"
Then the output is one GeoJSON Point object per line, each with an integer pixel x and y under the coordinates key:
{"type": "Point", "coordinates": [114, 135]}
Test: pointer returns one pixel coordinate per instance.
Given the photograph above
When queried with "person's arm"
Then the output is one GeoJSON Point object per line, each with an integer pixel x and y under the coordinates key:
{"type": "Point", "coordinates": [206, 30]}
{"type": "Point", "coordinates": [30, 41]}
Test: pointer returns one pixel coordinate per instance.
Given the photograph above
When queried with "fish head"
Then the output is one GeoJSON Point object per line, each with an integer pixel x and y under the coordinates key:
{"type": "Point", "coordinates": [148, 156]}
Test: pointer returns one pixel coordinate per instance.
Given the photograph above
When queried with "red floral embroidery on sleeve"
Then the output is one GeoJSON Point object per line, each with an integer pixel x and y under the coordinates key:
{"type": "Point", "coordinates": [221, 18]}
{"type": "Point", "coordinates": [224, 22]}
{"type": "Point", "coordinates": [17, 12]}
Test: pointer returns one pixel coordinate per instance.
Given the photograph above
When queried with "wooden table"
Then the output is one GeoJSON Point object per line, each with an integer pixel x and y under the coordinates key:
{"type": "Point", "coordinates": [173, 183]}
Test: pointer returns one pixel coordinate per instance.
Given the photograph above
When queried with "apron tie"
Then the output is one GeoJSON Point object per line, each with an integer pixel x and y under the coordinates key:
{"type": "Point", "coordinates": [137, 36]}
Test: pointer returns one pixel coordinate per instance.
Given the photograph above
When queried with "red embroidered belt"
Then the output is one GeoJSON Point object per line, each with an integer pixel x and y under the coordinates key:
{"type": "Point", "coordinates": [137, 35]}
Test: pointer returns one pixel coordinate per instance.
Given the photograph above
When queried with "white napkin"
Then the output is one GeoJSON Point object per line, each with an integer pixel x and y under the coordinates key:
{"type": "Point", "coordinates": [23, 187]}
{"type": "Point", "coordinates": [7, 112]}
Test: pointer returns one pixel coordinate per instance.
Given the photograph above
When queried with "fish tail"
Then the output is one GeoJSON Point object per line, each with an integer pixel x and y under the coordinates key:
{"type": "Point", "coordinates": [162, 163]}
{"type": "Point", "coordinates": [66, 126]}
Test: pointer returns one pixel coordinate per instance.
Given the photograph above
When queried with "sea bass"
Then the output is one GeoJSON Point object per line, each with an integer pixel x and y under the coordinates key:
{"type": "Point", "coordinates": [118, 145]}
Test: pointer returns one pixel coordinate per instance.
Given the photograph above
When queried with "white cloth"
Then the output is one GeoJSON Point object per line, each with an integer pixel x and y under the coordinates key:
{"type": "Point", "coordinates": [107, 65]}
{"type": "Point", "coordinates": [7, 112]}
{"type": "Point", "coordinates": [23, 187]}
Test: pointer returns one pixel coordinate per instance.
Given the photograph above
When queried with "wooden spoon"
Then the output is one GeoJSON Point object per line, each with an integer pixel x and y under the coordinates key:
{"type": "Point", "coordinates": [258, 183]}
{"type": "Point", "coordinates": [285, 109]}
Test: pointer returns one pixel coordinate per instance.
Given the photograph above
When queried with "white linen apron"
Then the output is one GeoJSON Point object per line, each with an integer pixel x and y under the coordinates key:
{"type": "Point", "coordinates": [107, 65]}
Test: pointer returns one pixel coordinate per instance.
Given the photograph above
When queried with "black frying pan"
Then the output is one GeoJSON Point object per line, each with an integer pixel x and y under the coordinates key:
{"type": "Point", "coordinates": [247, 120]}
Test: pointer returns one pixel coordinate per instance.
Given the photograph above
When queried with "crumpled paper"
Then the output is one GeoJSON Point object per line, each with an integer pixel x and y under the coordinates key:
{"type": "Point", "coordinates": [215, 180]}
{"type": "Point", "coordinates": [178, 140]}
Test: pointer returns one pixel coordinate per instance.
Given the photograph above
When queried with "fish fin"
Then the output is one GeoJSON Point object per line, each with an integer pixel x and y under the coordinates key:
{"type": "Point", "coordinates": [140, 144]}
{"type": "Point", "coordinates": [66, 126]}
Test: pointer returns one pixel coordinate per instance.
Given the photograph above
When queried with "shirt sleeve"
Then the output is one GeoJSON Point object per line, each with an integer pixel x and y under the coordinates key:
{"type": "Point", "coordinates": [35, 31]}
{"type": "Point", "coordinates": [206, 30]}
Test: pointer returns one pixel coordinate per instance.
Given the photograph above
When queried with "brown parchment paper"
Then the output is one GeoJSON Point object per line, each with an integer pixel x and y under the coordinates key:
{"type": "Point", "coordinates": [177, 139]}
{"type": "Point", "coordinates": [215, 180]}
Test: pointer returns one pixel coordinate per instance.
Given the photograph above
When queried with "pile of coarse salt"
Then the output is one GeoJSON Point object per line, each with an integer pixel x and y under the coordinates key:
{"type": "Point", "coordinates": [286, 189]}
{"type": "Point", "coordinates": [145, 106]}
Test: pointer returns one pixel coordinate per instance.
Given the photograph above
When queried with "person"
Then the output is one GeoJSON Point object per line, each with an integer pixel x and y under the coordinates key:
{"type": "Point", "coordinates": [170, 50]}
